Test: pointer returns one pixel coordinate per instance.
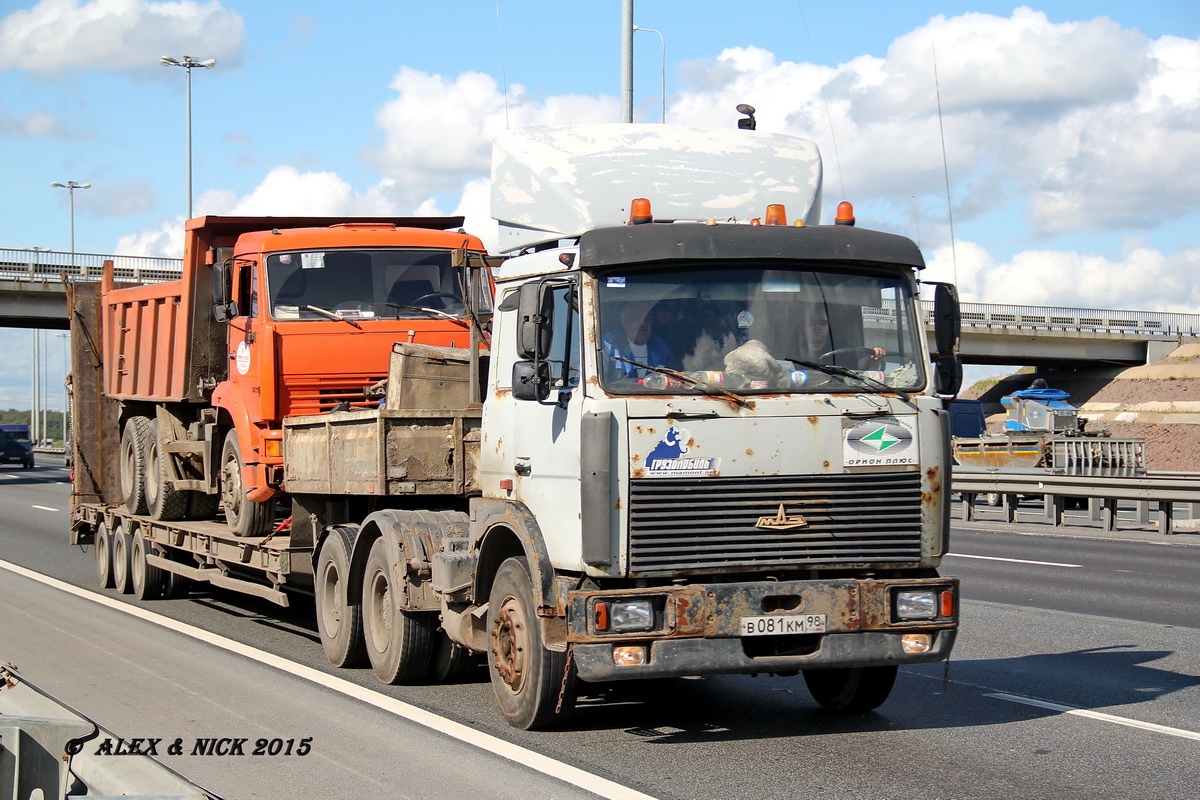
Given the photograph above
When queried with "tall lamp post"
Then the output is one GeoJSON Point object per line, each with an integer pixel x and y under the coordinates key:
{"type": "Point", "coordinates": [71, 186]}
{"type": "Point", "coordinates": [188, 63]}
{"type": "Point", "coordinates": [664, 68]}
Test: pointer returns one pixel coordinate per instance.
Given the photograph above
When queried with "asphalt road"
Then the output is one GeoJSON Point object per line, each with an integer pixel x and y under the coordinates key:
{"type": "Point", "coordinates": [1067, 681]}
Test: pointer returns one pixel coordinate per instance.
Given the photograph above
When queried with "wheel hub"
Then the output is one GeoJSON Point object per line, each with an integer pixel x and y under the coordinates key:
{"type": "Point", "coordinates": [508, 650]}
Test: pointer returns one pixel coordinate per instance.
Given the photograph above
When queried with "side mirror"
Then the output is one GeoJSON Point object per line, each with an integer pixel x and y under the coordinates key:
{"type": "Point", "coordinates": [223, 312]}
{"type": "Point", "coordinates": [531, 380]}
{"type": "Point", "coordinates": [947, 330]}
{"type": "Point", "coordinates": [947, 319]}
{"type": "Point", "coordinates": [947, 374]}
{"type": "Point", "coordinates": [534, 322]}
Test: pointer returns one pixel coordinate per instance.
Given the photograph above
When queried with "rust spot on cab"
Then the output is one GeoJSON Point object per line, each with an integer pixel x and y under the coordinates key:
{"type": "Point", "coordinates": [814, 421]}
{"type": "Point", "coordinates": [749, 452]}
{"type": "Point", "coordinates": [637, 472]}
{"type": "Point", "coordinates": [635, 458]}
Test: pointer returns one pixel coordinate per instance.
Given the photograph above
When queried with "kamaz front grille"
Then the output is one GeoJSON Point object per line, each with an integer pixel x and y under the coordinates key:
{"type": "Point", "coordinates": [811, 520]}
{"type": "Point", "coordinates": [306, 395]}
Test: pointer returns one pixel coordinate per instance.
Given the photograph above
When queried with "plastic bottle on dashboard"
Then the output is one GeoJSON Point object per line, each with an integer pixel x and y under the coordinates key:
{"type": "Point", "coordinates": [657, 380]}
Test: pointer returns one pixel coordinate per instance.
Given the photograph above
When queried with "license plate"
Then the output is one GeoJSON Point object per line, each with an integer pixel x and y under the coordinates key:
{"type": "Point", "coordinates": [776, 624]}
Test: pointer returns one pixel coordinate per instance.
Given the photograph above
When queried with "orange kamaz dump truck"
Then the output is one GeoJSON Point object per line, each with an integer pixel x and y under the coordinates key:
{"type": "Point", "coordinates": [272, 317]}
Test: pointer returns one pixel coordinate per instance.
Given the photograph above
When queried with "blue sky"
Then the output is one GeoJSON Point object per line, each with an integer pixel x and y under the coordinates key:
{"type": "Point", "coordinates": [1072, 129]}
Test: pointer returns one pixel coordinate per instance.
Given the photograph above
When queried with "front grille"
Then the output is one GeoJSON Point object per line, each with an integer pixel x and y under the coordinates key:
{"type": "Point", "coordinates": [693, 524]}
{"type": "Point", "coordinates": [306, 395]}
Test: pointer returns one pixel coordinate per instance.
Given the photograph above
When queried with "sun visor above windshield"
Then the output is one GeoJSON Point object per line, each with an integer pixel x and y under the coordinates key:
{"type": "Point", "coordinates": [555, 182]}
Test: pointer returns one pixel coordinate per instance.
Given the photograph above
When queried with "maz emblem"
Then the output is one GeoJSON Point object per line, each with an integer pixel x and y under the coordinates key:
{"type": "Point", "coordinates": [781, 521]}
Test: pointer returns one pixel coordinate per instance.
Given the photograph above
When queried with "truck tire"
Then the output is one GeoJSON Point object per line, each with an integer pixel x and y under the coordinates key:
{"type": "Point", "coordinates": [399, 643]}
{"type": "Point", "coordinates": [203, 506]}
{"type": "Point", "coordinates": [120, 560]}
{"type": "Point", "coordinates": [104, 562]}
{"type": "Point", "coordinates": [177, 586]}
{"type": "Point", "coordinates": [148, 581]}
{"type": "Point", "coordinates": [133, 464]}
{"type": "Point", "coordinates": [851, 690]}
{"type": "Point", "coordinates": [527, 678]}
{"type": "Point", "coordinates": [452, 663]}
{"type": "Point", "coordinates": [163, 501]}
{"type": "Point", "coordinates": [243, 517]}
{"type": "Point", "coordinates": [339, 623]}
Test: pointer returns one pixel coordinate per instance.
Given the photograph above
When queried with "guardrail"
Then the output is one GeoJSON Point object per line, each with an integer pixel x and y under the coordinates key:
{"type": "Point", "coordinates": [49, 266]}
{"type": "Point", "coordinates": [1102, 493]}
{"type": "Point", "coordinates": [1051, 318]}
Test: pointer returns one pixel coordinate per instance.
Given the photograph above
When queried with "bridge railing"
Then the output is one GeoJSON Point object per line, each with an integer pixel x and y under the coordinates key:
{"type": "Point", "coordinates": [1056, 318]}
{"type": "Point", "coordinates": [50, 266]}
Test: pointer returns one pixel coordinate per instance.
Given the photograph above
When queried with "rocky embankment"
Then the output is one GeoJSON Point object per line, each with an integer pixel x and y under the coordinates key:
{"type": "Point", "coordinates": [1158, 402]}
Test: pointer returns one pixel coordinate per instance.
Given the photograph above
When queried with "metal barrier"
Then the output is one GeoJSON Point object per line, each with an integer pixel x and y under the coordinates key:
{"type": "Point", "coordinates": [49, 266]}
{"type": "Point", "coordinates": [1103, 493]}
{"type": "Point", "coordinates": [1055, 318]}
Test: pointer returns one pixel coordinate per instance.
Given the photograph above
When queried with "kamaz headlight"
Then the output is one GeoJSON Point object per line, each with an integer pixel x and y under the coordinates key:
{"type": "Point", "coordinates": [631, 615]}
{"type": "Point", "coordinates": [916, 604]}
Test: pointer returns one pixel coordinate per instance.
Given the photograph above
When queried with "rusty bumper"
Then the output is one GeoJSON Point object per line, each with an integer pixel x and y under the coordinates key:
{"type": "Point", "coordinates": [698, 628]}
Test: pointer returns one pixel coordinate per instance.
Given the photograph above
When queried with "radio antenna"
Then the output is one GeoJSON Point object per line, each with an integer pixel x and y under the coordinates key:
{"type": "Point", "coordinates": [945, 166]}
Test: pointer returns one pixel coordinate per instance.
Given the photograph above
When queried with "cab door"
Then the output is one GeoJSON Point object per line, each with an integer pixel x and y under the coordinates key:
{"type": "Point", "coordinates": [252, 351]}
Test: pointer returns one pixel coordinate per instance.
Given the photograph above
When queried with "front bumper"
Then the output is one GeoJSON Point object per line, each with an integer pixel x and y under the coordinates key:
{"type": "Point", "coordinates": [700, 631]}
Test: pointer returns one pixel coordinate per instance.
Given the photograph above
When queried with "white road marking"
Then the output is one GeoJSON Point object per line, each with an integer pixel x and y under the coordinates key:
{"type": "Point", "coordinates": [44, 508]}
{"type": "Point", "coordinates": [484, 741]}
{"type": "Point", "coordinates": [1015, 560]}
{"type": "Point", "coordinates": [1079, 712]}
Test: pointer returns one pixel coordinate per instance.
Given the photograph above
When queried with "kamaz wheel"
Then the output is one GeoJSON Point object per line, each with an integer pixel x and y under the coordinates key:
{"type": "Point", "coordinates": [851, 690]}
{"type": "Point", "coordinates": [528, 680]}
{"type": "Point", "coordinates": [339, 623]}
{"type": "Point", "coordinates": [133, 464]}
{"type": "Point", "coordinates": [244, 518]}
{"type": "Point", "coordinates": [163, 501]}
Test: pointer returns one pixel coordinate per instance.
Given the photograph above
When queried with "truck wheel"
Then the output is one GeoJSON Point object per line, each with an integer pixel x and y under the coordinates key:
{"type": "Point", "coordinates": [242, 516]}
{"type": "Point", "coordinates": [399, 643]}
{"type": "Point", "coordinates": [104, 562]}
{"type": "Point", "coordinates": [120, 560]}
{"type": "Point", "coordinates": [339, 623]}
{"type": "Point", "coordinates": [527, 679]}
{"type": "Point", "coordinates": [202, 506]}
{"type": "Point", "coordinates": [148, 581]}
{"type": "Point", "coordinates": [452, 663]}
{"type": "Point", "coordinates": [851, 690]}
{"type": "Point", "coordinates": [133, 464]}
{"type": "Point", "coordinates": [163, 501]}
{"type": "Point", "coordinates": [177, 586]}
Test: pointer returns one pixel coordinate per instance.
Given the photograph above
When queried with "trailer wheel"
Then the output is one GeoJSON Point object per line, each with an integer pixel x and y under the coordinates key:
{"type": "Point", "coordinates": [244, 517]}
{"type": "Point", "coordinates": [133, 464]}
{"type": "Point", "coordinates": [120, 560]}
{"type": "Point", "coordinates": [104, 561]}
{"type": "Point", "coordinates": [177, 586]}
{"type": "Point", "coordinates": [527, 679]}
{"type": "Point", "coordinates": [339, 623]}
{"type": "Point", "coordinates": [399, 643]}
{"type": "Point", "coordinates": [202, 506]}
{"type": "Point", "coordinates": [851, 690]}
{"type": "Point", "coordinates": [148, 581]}
{"type": "Point", "coordinates": [163, 501]}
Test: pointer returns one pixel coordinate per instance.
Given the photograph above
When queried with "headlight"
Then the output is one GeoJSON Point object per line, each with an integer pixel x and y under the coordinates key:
{"type": "Point", "coordinates": [632, 615]}
{"type": "Point", "coordinates": [916, 604]}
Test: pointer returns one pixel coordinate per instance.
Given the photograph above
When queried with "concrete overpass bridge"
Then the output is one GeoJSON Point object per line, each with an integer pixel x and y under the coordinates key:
{"type": "Point", "coordinates": [33, 295]}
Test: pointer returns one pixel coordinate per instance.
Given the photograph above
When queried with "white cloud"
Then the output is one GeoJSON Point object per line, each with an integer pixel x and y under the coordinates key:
{"type": "Point", "coordinates": [57, 36]}
{"type": "Point", "coordinates": [1143, 278]}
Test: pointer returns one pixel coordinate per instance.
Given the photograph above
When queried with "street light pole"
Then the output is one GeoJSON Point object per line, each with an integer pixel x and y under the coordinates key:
{"type": "Point", "coordinates": [664, 68]}
{"type": "Point", "coordinates": [71, 186]}
{"type": "Point", "coordinates": [188, 63]}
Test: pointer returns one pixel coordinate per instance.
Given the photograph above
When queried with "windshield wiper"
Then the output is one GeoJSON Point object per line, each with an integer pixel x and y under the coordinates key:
{"type": "Point", "coordinates": [433, 311]}
{"type": "Point", "coordinates": [713, 389]}
{"type": "Point", "coordinates": [327, 313]}
{"type": "Point", "coordinates": [846, 372]}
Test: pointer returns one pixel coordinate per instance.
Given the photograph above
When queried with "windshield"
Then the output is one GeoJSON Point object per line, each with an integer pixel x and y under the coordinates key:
{"type": "Point", "coordinates": [362, 284]}
{"type": "Point", "coordinates": [758, 330]}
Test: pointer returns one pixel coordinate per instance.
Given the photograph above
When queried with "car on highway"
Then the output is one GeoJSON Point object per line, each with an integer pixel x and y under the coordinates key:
{"type": "Point", "coordinates": [13, 448]}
